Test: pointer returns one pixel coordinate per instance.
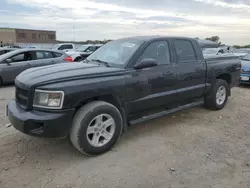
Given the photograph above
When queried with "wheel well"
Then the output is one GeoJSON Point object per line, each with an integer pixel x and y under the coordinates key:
{"type": "Point", "coordinates": [112, 100]}
{"type": "Point", "coordinates": [226, 77]}
{"type": "Point", "coordinates": [107, 98]}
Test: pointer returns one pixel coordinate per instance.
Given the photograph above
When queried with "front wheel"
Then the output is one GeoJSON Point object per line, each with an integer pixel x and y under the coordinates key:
{"type": "Point", "coordinates": [216, 99]}
{"type": "Point", "coordinates": [96, 127]}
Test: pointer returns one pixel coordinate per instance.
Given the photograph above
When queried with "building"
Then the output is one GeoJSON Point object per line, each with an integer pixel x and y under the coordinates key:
{"type": "Point", "coordinates": [27, 37]}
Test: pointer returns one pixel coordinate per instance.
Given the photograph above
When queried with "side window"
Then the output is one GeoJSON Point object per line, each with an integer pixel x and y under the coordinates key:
{"type": "Point", "coordinates": [56, 54]}
{"type": "Point", "coordinates": [69, 46]}
{"type": "Point", "coordinates": [2, 52]}
{"type": "Point", "coordinates": [39, 55]}
{"type": "Point", "coordinates": [26, 56]}
{"type": "Point", "coordinates": [159, 51]}
{"type": "Point", "coordinates": [66, 46]}
{"type": "Point", "coordinates": [48, 55]}
{"type": "Point", "coordinates": [43, 55]}
{"type": "Point", "coordinates": [18, 58]}
{"type": "Point", "coordinates": [185, 51]}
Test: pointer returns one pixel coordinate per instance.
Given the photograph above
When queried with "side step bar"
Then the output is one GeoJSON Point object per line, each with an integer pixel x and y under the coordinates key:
{"type": "Point", "coordinates": [166, 112]}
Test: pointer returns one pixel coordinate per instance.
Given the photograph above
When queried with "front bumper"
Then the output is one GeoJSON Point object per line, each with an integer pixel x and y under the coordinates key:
{"type": "Point", "coordinates": [244, 79]}
{"type": "Point", "coordinates": [38, 123]}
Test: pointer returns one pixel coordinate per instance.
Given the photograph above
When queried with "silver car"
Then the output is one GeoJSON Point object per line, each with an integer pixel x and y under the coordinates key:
{"type": "Point", "coordinates": [5, 50]}
{"type": "Point", "coordinates": [15, 62]}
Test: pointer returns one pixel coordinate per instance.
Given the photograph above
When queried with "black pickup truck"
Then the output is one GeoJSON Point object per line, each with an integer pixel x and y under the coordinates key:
{"type": "Point", "coordinates": [124, 82]}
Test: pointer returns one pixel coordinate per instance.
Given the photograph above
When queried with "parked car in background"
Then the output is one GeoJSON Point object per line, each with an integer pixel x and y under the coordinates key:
{"type": "Point", "coordinates": [64, 46]}
{"type": "Point", "coordinates": [245, 70]}
{"type": "Point", "coordinates": [5, 50]}
{"type": "Point", "coordinates": [125, 82]}
{"type": "Point", "coordinates": [216, 51]}
{"type": "Point", "coordinates": [241, 52]}
{"type": "Point", "coordinates": [15, 62]}
{"type": "Point", "coordinates": [83, 52]}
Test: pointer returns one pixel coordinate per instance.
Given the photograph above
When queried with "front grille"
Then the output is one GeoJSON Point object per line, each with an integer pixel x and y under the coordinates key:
{"type": "Point", "coordinates": [22, 97]}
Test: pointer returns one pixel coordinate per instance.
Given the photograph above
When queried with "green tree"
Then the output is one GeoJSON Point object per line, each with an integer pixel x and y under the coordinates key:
{"type": "Point", "coordinates": [214, 39]}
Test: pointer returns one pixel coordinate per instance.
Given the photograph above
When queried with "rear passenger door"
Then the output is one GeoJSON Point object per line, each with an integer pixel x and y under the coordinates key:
{"type": "Point", "coordinates": [191, 72]}
{"type": "Point", "coordinates": [43, 58]}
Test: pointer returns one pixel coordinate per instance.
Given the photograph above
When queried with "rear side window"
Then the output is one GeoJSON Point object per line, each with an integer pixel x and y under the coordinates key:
{"type": "Point", "coordinates": [43, 55]}
{"type": "Point", "coordinates": [65, 47]}
{"type": "Point", "coordinates": [185, 51]}
{"type": "Point", "coordinates": [56, 54]}
{"type": "Point", "coordinates": [159, 51]}
{"type": "Point", "coordinates": [4, 52]}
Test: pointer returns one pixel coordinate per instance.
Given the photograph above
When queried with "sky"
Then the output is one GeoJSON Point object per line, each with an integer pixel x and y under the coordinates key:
{"type": "Point", "coordinates": [111, 19]}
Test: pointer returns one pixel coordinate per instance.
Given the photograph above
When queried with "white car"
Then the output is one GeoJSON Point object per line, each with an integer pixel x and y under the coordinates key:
{"type": "Point", "coordinates": [216, 51]}
{"type": "Point", "coordinates": [83, 52]}
{"type": "Point", "coordinates": [242, 52]}
{"type": "Point", "coordinates": [64, 46]}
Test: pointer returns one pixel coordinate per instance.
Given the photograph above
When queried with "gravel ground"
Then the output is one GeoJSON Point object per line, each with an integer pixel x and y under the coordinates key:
{"type": "Point", "coordinates": [195, 148]}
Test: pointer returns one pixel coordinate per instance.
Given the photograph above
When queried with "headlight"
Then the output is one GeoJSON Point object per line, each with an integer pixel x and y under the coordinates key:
{"type": "Point", "coordinates": [48, 99]}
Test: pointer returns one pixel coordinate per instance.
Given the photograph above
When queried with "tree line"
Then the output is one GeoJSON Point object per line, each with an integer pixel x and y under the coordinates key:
{"type": "Point", "coordinates": [217, 40]}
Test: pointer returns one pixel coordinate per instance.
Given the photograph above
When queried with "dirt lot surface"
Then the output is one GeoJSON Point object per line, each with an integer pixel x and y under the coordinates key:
{"type": "Point", "coordinates": [195, 148]}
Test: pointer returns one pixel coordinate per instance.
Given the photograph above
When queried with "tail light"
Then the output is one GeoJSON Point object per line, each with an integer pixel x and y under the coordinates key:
{"type": "Point", "coordinates": [69, 59]}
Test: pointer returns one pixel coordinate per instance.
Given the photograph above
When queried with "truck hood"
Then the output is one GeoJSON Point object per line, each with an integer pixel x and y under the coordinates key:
{"type": "Point", "coordinates": [63, 72]}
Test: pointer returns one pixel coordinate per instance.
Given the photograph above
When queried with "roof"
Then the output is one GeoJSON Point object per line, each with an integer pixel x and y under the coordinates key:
{"type": "Point", "coordinates": [148, 38]}
{"type": "Point", "coordinates": [4, 48]}
{"type": "Point", "coordinates": [9, 28]}
{"type": "Point", "coordinates": [14, 52]}
{"type": "Point", "coordinates": [20, 50]}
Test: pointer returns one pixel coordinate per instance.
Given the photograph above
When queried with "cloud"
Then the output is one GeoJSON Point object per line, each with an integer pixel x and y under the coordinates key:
{"type": "Point", "coordinates": [99, 19]}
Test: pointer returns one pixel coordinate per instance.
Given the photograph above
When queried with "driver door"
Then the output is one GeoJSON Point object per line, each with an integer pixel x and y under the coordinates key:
{"type": "Point", "coordinates": [19, 63]}
{"type": "Point", "coordinates": [155, 86]}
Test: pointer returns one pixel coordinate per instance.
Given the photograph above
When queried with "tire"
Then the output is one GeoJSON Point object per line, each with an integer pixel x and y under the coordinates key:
{"type": "Point", "coordinates": [82, 122]}
{"type": "Point", "coordinates": [1, 82]}
{"type": "Point", "coordinates": [211, 101]}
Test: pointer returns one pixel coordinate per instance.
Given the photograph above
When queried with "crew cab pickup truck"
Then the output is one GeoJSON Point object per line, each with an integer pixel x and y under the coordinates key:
{"type": "Point", "coordinates": [124, 82]}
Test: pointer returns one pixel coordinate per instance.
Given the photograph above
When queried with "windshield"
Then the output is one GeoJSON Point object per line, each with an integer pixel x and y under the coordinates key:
{"type": "Point", "coordinates": [210, 51]}
{"type": "Point", "coordinates": [247, 57]}
{"type": "Point", "coordinates": [90, 49]}
{"type": "Point", "coordinates": [56, 46]}
{"type": "Point", "coordinates": [116, 52]}
{"type": "Point", "coordinates": [83, 48]}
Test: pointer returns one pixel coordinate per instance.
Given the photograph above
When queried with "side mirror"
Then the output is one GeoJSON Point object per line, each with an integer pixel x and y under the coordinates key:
{"type": "Point", "coordinates": [8, 61]}
{"type": "Point", "coordinates": [146, 63]}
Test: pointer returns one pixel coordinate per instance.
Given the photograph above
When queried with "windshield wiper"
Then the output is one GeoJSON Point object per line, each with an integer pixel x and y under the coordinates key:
{"type": "Point", "coordinates": [100, 61]}
{"type": "Point", "coordinates": [246, 59]}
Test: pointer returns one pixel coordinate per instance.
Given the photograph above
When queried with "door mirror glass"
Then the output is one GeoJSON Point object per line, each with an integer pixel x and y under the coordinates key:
{"type": "Point", "coordinates": [146, 63]}
{"type": "Point", "coordinates": [8, 61]}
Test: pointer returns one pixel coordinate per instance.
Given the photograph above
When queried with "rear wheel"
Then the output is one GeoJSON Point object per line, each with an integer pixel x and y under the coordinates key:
{"type": "Point", "coordinates": [96, 127]}
{"type": "Point", "coordinates": [216, 99]}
